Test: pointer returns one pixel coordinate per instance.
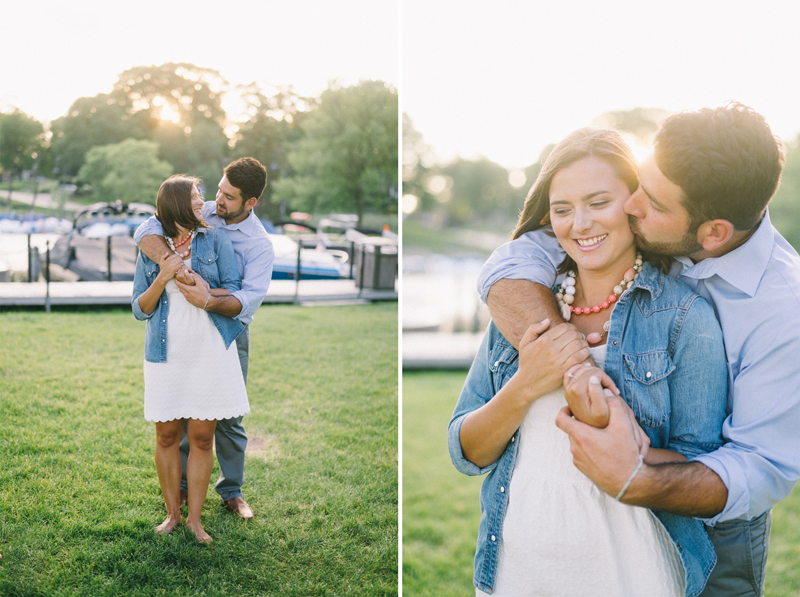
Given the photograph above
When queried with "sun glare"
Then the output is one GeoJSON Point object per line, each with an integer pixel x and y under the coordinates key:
{"type": "Point", "coordinates": [168, 113]}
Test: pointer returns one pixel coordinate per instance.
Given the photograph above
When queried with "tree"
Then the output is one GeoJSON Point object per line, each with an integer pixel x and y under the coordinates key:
{"type": "Point", "coordinates": [90, 122]}
{"type": "Point", "coordinates": [128, 172]}
{"type": "Point", "coordinates": [273, 124]}
{"type": "Point", "coordinates": [347, 158]}
{"type": "Point", "coordinates": [21, 141]}
{"type": "Point", "coordinates": [640, 123]}
{"type": "Point", "coordinates": [785, 205]}
{"type": "Point", "coordinates": [179, 91]}
{"type": "Point", "coordinates": [418, 167]}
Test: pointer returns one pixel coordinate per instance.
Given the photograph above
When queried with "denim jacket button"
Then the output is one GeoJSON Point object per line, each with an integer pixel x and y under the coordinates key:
{"type": "Point", "coordinates": [649, 375]}
{"type": "Point", "coordinates": [614, 343]}
{"type": "Point", "coordinates": [494, 538]}
{"type": "Point", "coordinates": [502, 490]}
{"type": "Point", "coordinates": [496, 363]}
{"type": "Point", "coordinates": [513, 438]}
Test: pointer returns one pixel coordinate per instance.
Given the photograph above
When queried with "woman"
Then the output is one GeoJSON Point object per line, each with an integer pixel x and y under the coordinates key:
{"type": "Point", "coordinates": [545, 528]}
{"type": "Point", "coordinates": [191, 373]}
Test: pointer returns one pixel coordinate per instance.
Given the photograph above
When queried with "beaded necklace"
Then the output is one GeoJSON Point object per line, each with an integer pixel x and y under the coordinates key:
{"type": "Point", "coordinates": [174, 246]}
{"type": "Point", "coordinates": [566, 296]}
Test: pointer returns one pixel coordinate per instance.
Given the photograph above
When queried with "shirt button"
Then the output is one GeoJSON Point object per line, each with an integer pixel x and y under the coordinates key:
{"type": "Point", "coordinates": [502, 490]}
{"type": "Point", "coordinates": [648, 375]}
{"type": "Point", "coordinates": [496, 363]}
{"type": "Point", "coordinates": [163, 340]}
{"type": "Point", "coordinates": [513, 438]}
{"type": "Point", "coordinates": [494, 538]}
{"type": "Point", "coordinates": [614, 343]}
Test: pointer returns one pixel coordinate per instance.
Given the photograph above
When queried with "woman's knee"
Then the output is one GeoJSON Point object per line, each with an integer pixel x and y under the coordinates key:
{"type": "Point", "coordinates": [167, 435]}
{"type": "Point", "coordinates": [201, 441]}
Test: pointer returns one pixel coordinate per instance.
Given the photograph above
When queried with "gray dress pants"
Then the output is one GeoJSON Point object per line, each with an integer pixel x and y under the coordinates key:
{"type": "Point", "coordinates": [742, 547]}
{"type": "Point", "coordinates": [230, 439]}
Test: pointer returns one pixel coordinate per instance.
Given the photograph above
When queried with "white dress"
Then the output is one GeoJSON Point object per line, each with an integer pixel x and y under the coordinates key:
{"type": "Point", "coordinates": [564, 537]}
{"type": "Point", "coordinates": [201, 378]}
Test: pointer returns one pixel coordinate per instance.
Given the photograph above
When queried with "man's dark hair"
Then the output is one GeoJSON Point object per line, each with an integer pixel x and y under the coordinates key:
{"type": "Point", "coordinates": [247, 175]}
{"type": "Point", "coordinates": [726, 160]}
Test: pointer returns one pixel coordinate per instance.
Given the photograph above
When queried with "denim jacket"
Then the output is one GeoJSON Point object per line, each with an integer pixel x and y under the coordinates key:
{"type": "Point", "coordinates": [213, 259]}
{"type": "Point", "coordinates": [666, 355]}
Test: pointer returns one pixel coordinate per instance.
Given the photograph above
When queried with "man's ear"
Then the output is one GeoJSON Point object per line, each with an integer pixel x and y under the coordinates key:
{"type": "Point", "coordinates": [250, 203]}
{"type": "Point", "coordinates": [714, 233]}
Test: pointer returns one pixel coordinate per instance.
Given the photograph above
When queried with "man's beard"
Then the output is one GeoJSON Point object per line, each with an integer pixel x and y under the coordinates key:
{"type": "Point", "coordinates": [228, 216]}
{"type": "Point", "coordinates": [686, 246]}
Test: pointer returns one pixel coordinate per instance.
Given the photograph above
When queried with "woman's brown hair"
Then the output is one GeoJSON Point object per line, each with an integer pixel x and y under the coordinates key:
{"type": "Point", "coordinates": [604, 144]}
{"type": "Point", "coordinates": [174, 205]}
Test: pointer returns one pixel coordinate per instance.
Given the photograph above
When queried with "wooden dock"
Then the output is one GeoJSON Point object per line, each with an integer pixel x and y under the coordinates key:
{"type": "Point", "coordinates": [21, 294]}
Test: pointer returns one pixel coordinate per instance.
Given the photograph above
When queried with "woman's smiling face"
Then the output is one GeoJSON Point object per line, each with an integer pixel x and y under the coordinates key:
{"type": "Point", "coordinates": [586, 213]}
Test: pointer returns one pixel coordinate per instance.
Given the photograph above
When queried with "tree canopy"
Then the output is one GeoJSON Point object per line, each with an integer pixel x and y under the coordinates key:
{"type": "Point", "coordinates": [129, 171]}
{"type": "Point", "coordinates": [347, 156]}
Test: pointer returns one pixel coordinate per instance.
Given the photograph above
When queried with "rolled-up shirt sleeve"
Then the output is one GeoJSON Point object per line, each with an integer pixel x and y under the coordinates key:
{"type": "Point", "coordinates": [534, 256]}
{"type": "Point", "coordinates": [150, 226]}
{"type": "Point", "coordinates": [760, 463]}
{"type": "Point", "coordinates": [255, 279]}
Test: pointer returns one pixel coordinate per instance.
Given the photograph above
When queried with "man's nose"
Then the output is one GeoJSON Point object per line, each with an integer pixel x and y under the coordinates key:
{"type": "Point", "coordinates": [633, 204]}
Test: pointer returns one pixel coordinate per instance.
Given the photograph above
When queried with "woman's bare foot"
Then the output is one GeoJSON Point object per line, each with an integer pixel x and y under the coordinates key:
{"type": "Point", "coordinates": [166, 527]}
{"type": "Point", "coordinates": [199, 532]}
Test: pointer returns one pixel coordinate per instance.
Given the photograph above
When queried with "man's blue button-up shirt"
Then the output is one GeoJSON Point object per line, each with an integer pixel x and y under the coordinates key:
{"type": "Point", "coordinates": [252, 248]}
{"type": "Point", "coordinates": [755, 292]}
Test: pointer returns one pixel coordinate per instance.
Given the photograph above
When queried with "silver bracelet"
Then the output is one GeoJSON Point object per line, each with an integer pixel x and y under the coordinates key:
{"type": "Point", "coordinates": [630, 479]}
{"type": "Point", "coordinates": [208, 299]}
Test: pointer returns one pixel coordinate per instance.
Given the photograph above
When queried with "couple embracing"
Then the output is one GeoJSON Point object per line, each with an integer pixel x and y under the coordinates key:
{"type": "Point", "coordinates": [202, 273]}
{"type": "Point", "coordinates": [638, 449]}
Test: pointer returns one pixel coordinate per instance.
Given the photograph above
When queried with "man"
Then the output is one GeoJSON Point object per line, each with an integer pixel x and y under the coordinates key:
{"type": "Point", "coordinates": [241, 186]}
{"type": "Point", "coordinates": [702, 199]}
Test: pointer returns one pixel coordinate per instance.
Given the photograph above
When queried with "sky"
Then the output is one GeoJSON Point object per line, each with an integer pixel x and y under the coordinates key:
{"type": "Point", "coordinates": [506, 78]}
{"type": "Point", "coordinates": [59, 51]}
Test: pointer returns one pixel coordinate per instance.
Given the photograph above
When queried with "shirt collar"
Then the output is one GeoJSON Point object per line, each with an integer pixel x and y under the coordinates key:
{"type": "Point", "coordinates": [246, 226]}
{"type": "Point", "coordinates": [743, 267]}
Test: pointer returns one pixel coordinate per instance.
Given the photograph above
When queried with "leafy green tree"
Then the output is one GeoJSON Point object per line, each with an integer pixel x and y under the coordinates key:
{"type": "Point", "coordinates": [418, 167]}
{"type": "Point", "coordinates": [190, 92]}
{"type": "Point", "coordinates": [480, 191]}
{"type": "Point", "coordinates": [784, 209]}
{"type": "Point", "coordinates": [90, 122]}
{"type": "Point", "coordinates": [129, 171]}
{"type": "Point", "coordinates": [273, 124]}
{"type": "Point", "coordinates": [347, 158]}
{"type": "Point", "coordinates": [21, 141]}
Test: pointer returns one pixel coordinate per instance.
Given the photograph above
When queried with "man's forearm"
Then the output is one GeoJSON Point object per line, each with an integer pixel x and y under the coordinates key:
{"type": "Point", "coordinates": [687, 489]}
{"type": "Point", "coordinates": [224, 305]}
{"type": "Point", "coordinates": [517, 304]}
{"type": "Point", "coordinates": [154, 246]}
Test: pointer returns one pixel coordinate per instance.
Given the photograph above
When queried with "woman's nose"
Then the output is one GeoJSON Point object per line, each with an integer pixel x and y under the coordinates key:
{"type": "Point", "coordinates": [582, 221]}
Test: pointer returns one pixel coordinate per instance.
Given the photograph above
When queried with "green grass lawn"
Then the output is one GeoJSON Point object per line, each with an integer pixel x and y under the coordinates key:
{"type": "Point", "coordinates": [79, 497]}
{"type": "Point", "coordinates": [441, 511]}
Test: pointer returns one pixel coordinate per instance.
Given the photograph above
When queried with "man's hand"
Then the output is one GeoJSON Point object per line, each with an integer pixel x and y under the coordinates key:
{"type": "Point", "coordinates": [607, 456]}
{"type": "Point", "coordinates": [198, 294]}
{"type": "Point", "coordinates": [184, 276]}
{"type": "Point", "coordinates": [546, 354]}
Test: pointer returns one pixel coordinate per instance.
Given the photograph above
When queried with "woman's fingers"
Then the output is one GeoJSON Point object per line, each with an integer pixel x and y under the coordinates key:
{"type": "Point", "coordinates": [533, 332]}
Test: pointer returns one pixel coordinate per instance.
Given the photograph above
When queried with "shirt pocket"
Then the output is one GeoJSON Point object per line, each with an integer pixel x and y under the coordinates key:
{"type": "Point", "coordinates": [647, 386]}
{"type": "Point", "coordinates": [208, 268]}
{"type": "Point", "coordinates": [151, 272]}
{"type": "Point", "coordinates": [503, 364]}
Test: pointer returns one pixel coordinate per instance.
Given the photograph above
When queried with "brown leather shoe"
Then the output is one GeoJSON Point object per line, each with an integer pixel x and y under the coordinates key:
{"type": "Point", "coordinates": [238, 506]}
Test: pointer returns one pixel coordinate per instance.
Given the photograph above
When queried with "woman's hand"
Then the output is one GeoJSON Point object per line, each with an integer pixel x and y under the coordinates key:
{"type": "Point", "coordinates": [545, 355]}
{"type": "Point", "coordinates": [584, 390]}
{"type": "Point", "coordinates": [169, 265]}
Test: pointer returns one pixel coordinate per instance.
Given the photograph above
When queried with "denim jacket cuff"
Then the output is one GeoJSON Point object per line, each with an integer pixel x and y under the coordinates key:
{"type": "Point", "coordinates": [457, 456]}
